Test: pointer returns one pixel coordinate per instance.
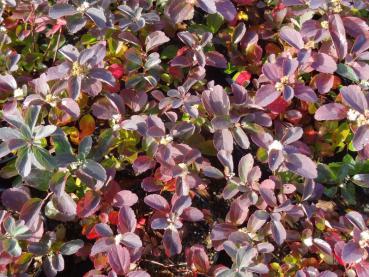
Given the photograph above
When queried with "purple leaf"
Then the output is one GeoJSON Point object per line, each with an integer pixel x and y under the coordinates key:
{"type": "Point", "coordinates": [207, 6]}
{"type": "Point", "coordinates": [352, 253]}
{"type": "Point", "coordinates": [157, 202]}
{"type": "Point", "coordinates": [305, 93]}
{"type": "Point", "coordinates": [226, 9]}
{"type": "Point", "coordinates": [102, 75]}
{"type": "Point", "coordinates": [292, 37]}
{"type": "Point", "coordinates": [119, 259]}
{"type": "Point", "coordinates": [302, 165]}
{"type": "Point", "coordinates": [172, 242]}
{"type": "Point", "coordinates": [60, 10]}
{"type": "Point", "coordinates": [361, 137]}
{"type": "Point", "coordinates": [126, 220]}
{"type": "Point", "coordinates": [275, 159]}
{"type": "Point", "coordinates": [324, 63]}
{"type": "Point", "coordinates": [268, 196]}
{"type": "Point", "coordinates": [155, 39]}
{"type": "Point", "coordinates": [125, 198]}
{"type": "Point", "coordinates": [338, 34]}
{"type": "Point", "coordinates": [357, 220]}
{"type": "Point", "coordinates": [130, 239]}
{"type": "Point", "coordinates": [354, 97]}
{"type": "Point", "coordinates": [266, 95]}
{"type": "Point", "coordinates": [331, 111]}
{"type": "Point", "coordinates": [192, 214]}
{"type": "Point", "coordinates": [244, 167]}
{"type": "Point", "coordinates": [14, 198]}
{"type": "Point", "coordinates": [278, 232]}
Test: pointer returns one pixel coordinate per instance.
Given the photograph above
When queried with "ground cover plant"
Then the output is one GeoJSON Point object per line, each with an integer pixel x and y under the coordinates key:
{"type": "Point", "coordinates": [184, 138]}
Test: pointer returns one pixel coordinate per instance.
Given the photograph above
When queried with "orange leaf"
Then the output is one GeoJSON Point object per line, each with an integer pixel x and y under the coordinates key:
{"type": "Point", "coordinates": [87, 126]}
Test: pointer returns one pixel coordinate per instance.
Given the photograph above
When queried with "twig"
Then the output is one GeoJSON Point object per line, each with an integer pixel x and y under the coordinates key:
{"type": "Point", "coordinates": [57, 45]}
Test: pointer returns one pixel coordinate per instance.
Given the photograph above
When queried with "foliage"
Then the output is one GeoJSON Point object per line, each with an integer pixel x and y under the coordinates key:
{"type": "Point", "coordinates": [196, 137]}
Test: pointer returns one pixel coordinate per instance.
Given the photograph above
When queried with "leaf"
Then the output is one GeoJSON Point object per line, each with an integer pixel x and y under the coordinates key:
{"type": "Point", "coordinates": [126, 220]}
{"type": "Point", "coordinates": [102, 75]}
{"type": "Point", "coordinates": [157, 202]}
{"type": "Point", "coordinates": [172, 242]}
{"type": "Point", "coordinates": [266, 95]}
{"type": "Point", "coordinates": [361, 180]}
{"type": "Point", "coordinates": [155, 39]}
{"type": "Point", "coordinates": [44, 131]}
{"type": "Point", "coordinates": [347, 72]}
{"type": "Point", "coordinates": [87, 125]}
{"type": "Point", "coordinates": [30, 211]}
{"type": "Point", "coordinates": [84, 147]}
{"type": "Point", "coordinates": [7, 133]}
{"type": "Point", "coordinates": [89, 204]}
{"type": "Point", "coordinates": [324, 63]}
{"type": "Point", "coordinates": [97, 15]}
{"type": "Point", "coordinates": [119, 259]}
{"type": "Point", "coordinates": [60, 10]}
{"type": "Point", "coordinates": [361, 137]}
{"type": "Point", "coordinates": [239, 32]}
{"type": "Point", "coordinates": [214, 21]}
{"type": "Point", "coordinates": [71, 247]}
{"type": "Point", "coordinates": [331, 111]}
{"type": "Point", "coordinates": [12, 247]}
{"type": "Point", "coordinates": [102, 245]}
{"type": "Point", "coordinates": [292, 37]}
{"type": "Point", "coordinates": [302, 165]}
{"type": "Point", "coordinates": [125, 198]}
{"type": "Point", "coordinates": [23, 162]}
{"type": "Point", "coordinates": [31, 116]}
{"type": "Point", "coordinates": [357, 220]}
{"type": "Point", "coordinates": [14, 198]}
{"type": "Point", "coordinates": [278, 232]}
{"type": "Point", "coordinates": [94, 170]}
{"type": "Point", "coordinates": [42, 158]}
{"type": "Point", "coordinates": [213, 172]}
{"type": "Point", "coordinates": [354, 97]}
{"type": "Point", "coordinates": [244, 256]}
{"type": "Point", "coordinates": [131, 240]}
{"type": "Point", "coordinates": [338, 34]}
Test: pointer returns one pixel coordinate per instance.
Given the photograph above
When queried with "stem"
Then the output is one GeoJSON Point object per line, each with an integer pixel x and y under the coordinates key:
{"type": "Point", "coordinates": [57, 45]}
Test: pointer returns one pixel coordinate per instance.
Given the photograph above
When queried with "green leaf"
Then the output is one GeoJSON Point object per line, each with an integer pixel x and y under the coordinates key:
{"type": "Point", "coordinates": [32, 116]}
{"type": "Point", "coordinates": [43, 159]}
{"type": "Point", "coordinates": [103, 144]}
{"type": "Point", "coordinates": [347, 72]}
{"type": "Point", "coordinates": [214, 21]}
{"type": "Point", "coordinates": [349, 193]}
{"type": "Point", "coordinates": [94, 170]}
{"type": "Point", "coordinates": [71, 247]}
{"type": "Point", "coordinates": [326, 175]}
{"type": "Point", "coordinates": [61, 143]}
{"type": "Point", "coordinates": [84, 147]}
{"type": "Point", "coordinates": [24, 161]}
{"type": "Point", "coordinates": [11, 246]}
{"type": "Point", "coordinates": [169, 52]}
{"type": "Point", "coordinates": [88, 39]}
{"type": "Point", "coordinates": [39, 179]}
